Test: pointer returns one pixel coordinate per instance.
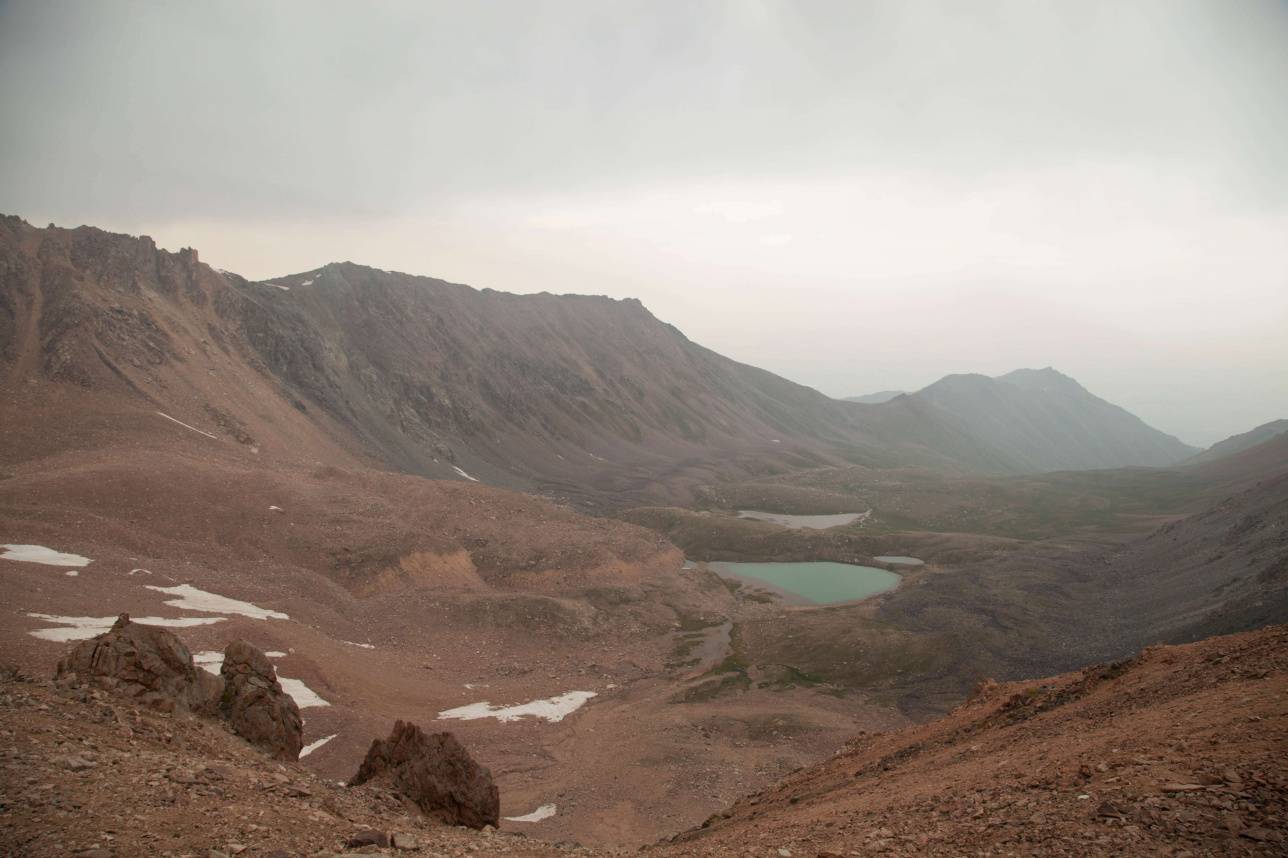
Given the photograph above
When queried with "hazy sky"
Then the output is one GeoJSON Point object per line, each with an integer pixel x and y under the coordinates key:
{"type": "Point", "coordinates": [854, 195]}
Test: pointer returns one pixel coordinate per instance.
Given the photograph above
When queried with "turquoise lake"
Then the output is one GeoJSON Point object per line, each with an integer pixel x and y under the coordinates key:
{"type": "Point", "coordinates": [818, 583]}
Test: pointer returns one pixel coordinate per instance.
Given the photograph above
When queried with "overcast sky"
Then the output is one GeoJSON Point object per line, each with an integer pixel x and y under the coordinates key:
{"type": "Point", "coordinates": [855, 195]}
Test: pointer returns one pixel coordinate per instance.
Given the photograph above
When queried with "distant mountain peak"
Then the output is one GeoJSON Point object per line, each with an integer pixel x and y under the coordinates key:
{"type": "Point", "coordinates": [1044, 420]}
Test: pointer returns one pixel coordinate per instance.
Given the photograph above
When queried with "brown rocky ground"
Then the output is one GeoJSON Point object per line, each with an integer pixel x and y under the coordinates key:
{"type": "Point", "coordinates": [1179, 751]}
{"type": "Point", "coordinates": [86, 773]}
{"type": "Point", "coordinates": [457, 594]}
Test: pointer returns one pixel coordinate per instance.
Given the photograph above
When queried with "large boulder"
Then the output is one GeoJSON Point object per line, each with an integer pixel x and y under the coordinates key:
{"type": "Point", "coordinates": [255, 705]}
{"type": "Point", "coordinates": [145, 662]}
{"type": "Point", "coordinates": [436, 773]}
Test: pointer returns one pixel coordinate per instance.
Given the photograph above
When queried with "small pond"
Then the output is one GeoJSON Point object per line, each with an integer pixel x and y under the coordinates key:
{"type": "Point", "coordinates": [811, 522]}
{"type": "Point", "coordinates": [900, 559]}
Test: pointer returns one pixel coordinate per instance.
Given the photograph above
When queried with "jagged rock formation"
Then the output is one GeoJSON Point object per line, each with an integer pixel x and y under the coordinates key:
{"type": "Point", "coordinates": [144, 662]}
{"type": "Point", "coordinates": [436, 773]}
{"type": "Point", "coordinates": [256, 706]}
{"type": "Point", "coordinates": [153, 666]}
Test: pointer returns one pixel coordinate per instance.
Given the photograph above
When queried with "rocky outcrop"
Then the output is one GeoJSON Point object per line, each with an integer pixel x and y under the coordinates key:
{"type": "Point", "coordinates": [153, 666]}
{"type": "Point", "coordinates": [255, 705]}
{"type": "Point", "coordinates": [144, 662]}
{"type": "Point", "coordinates": [436, 773]}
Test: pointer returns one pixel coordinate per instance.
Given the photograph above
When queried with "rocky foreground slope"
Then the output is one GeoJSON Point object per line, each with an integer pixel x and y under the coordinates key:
{"type": "Point", "coordinates": [1178, 751]}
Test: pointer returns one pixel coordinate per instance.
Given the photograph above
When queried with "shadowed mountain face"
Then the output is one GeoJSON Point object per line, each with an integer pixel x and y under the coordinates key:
{"type": "Point", "coordinates": [1042, 420]}
{"type": "Point", "coordinates": [583, 398]}
{"type": "Point", "coordinates": [1243, 441]}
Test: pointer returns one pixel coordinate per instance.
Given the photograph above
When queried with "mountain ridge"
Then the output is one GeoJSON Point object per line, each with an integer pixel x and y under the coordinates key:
{"type": "Point", "coordinates": [588, 399]}
{"type": "Point", "coordinates": [1236, 444]}
{"type": "Point", "coordinates": [1047, 421]}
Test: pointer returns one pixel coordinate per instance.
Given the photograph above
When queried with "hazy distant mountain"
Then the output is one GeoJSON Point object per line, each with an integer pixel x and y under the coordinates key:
{"type": "Point", "coordinates": [1239, 443]}
{"type": "Point", "coordinates": [876, 398]}
{"type": "Point", "coordinates": [1042, 420]}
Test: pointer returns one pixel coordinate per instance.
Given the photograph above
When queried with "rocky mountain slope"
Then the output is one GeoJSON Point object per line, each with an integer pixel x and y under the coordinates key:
{"type": "Point", "coordinates": [1176, 751]}
{"type": "Point", "coordinates": [1243, 441]}
{"type": "Point", "coordinates": [1047, 608]}
{"type": "Point", "coordinates": [578, 397]}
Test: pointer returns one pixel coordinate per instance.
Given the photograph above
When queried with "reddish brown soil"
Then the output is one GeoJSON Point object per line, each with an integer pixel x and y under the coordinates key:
{"type": "Point", "coordinates": [84, 770]}
{"type": "Point", "coordinates": [1180, 751]}
{"type": "Point", "coordinates": [452, 585]}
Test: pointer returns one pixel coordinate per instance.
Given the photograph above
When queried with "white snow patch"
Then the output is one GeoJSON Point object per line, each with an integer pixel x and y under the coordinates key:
{"type": "Point", "coordinates": [71, 573]}
{"type": "Point", "coordinates": [186, 426]}
{"type": "Point", "coordinates": [84, 628]}
{"type": "Point", "coordinates": [41, 554]}
{"type": "Point", "coordinates": [278, 285]}
{"type": "Point", "coordinates": [313, 746]}
{"type": "Point", "coordinates": [274, 509]}
{"type": "Point", "coordinates": [544, 812]}
{"type": "Point", "coordinates": [308, 282]}
{"type": "Point", "coordinates": [355, 643]}
{"type": "Point", "coordinates": [463, 474]}
{"type": "Point", "coordinates": [552, 708]}
{"type": "Point", "coordinates": [209, 660]}
{"type": "Point", "coordinates": [213, 661]}
{"type": "Point", "coordinates": [303, 696]}
{"type": "Point", "coordinates": [192, 599]}
{"type": "Point", "coordinates": [140, 572]}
